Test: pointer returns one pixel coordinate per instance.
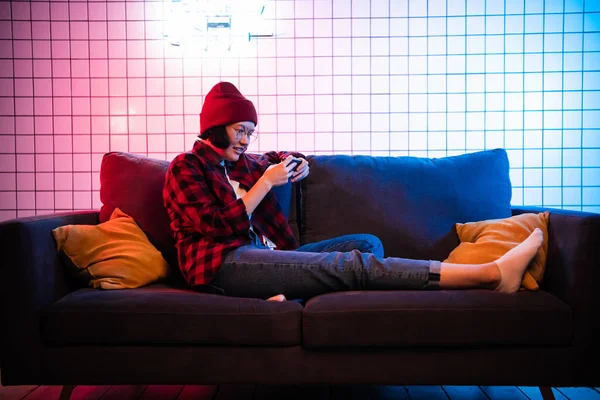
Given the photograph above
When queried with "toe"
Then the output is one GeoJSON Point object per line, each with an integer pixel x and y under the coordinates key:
{"type": "Point", "coordinates": [279, 298]}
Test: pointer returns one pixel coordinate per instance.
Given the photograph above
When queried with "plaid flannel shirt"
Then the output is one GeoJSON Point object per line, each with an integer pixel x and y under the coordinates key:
{"type": "Point", "coordinates": [208, 220]}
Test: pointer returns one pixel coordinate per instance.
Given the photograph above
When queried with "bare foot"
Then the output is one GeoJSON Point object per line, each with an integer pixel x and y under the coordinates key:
{"type": "Point", "coordinates": [279, 298]}
{"type": "Point", "coordinates": [513, 264]}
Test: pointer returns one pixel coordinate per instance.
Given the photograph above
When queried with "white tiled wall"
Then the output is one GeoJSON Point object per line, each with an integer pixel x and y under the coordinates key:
{"type": "Point", "coordinates": [385, 77]}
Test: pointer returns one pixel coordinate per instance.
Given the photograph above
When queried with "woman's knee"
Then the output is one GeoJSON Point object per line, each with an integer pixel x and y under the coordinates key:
{"type": "Point", "coordinates": [371, 244]}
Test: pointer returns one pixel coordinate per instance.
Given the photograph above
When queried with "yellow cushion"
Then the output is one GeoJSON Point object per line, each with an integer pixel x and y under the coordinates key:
{"type": "Point", "coordinates": [486, 241]}
{"type": "Point", "coordinates": [116, 253]}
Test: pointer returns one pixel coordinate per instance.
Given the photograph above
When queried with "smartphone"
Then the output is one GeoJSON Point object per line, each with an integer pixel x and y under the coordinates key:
{"type": "Point", "coordinates": [297, 162]}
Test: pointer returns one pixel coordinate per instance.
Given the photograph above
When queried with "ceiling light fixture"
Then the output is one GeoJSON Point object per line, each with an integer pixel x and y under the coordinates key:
{"type": "Point", "coordinates": [216, 26]}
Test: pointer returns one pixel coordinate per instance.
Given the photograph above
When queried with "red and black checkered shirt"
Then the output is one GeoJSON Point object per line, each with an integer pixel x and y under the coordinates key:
{"type": "Point", "coordinates": [208, 220]}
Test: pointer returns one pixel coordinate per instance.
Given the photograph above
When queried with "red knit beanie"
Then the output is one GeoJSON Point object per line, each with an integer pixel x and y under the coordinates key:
{"type": "Point", "coordinates": [225, 105]}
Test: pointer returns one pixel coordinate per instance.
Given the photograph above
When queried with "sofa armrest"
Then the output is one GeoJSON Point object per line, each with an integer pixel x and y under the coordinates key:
{"type": "Point", "coordinates": [573, 275]}
{"type": "Point", "coordinates": [31, 279]}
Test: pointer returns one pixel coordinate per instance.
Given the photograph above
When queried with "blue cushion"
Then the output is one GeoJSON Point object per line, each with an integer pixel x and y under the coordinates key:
{"type": "Point", "coordinates": [410, 203]}
{"type": "Point", "coordinates": [286, 196]}
{"type": "Point", "coordinates": [283, 194]}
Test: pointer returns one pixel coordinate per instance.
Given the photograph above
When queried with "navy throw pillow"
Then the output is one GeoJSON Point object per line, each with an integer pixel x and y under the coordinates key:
{"type": "Point", "coordinates": [410, 203]}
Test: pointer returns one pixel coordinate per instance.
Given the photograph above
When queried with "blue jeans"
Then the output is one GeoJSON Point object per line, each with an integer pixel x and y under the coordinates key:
{"type": "Point", "coordinates": [351, 262]}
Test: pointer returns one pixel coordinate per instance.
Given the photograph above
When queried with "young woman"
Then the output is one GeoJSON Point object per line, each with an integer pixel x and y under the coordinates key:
{"type": "Point", "coordinates": [232, 235]}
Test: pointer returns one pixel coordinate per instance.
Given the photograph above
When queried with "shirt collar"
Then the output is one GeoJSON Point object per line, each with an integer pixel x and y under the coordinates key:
{"type": "Point", "coordinates": [204, 150]}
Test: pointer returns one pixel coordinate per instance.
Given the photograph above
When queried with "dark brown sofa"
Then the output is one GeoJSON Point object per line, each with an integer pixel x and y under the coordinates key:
{"type": "Point", "coordinates": [55, 333]}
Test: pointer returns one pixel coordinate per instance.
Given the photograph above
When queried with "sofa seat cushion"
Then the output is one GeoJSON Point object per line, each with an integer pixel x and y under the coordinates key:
{"type": "Point", "coordinates": [436, 318]}
{"type": "Point", "coordinates": [158, 314]}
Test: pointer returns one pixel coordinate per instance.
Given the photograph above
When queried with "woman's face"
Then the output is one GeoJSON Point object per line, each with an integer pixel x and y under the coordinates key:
{"type": "Point", "coordinates": [240, 135]}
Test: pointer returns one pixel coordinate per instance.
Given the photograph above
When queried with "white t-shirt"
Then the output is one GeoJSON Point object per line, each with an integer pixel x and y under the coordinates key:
{"type": "Point", "coordinates": [239, 192]}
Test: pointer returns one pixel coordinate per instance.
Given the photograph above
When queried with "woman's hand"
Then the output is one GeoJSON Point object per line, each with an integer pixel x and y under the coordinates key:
{"type": "Point", "coordinates": [278, 174]}
{"type": "Point", "coordinates": [302, 170]}
{"type": "Point", "coordinates": [275, 175]}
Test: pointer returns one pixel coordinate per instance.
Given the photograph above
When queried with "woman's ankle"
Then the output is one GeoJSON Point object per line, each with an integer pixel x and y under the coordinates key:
{"type": "Point", "coordinates": [490, 275]}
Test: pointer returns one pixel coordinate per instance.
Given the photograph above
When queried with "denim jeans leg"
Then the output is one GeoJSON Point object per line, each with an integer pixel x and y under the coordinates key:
{"type": "Point", "coordinates": [255, 272]}
{"type": "Point", "coordinates": [363, 242]}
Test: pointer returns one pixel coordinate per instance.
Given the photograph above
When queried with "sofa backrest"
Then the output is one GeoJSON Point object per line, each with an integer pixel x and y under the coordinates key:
{"type": "Point", "coordinates": [134, 183]}
{"type": "Point", "coordinates": [410, 203]}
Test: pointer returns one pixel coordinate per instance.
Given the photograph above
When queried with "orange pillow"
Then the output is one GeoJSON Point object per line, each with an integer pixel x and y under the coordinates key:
{"type": "Point", "coordinates": [486, 241]}
{"type": "Point", "coordinates": [115, 254]}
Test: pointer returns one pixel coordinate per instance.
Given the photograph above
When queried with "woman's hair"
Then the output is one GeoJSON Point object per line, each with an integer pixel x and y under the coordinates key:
{"type": "Point", "coordinates": [217, 136]}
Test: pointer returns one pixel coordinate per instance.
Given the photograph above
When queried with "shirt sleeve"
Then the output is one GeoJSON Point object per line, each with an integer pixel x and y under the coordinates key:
{"type": "Point", "coordinates": [275, 157]}
{"type": "Point", "coordinates": [188, 194]}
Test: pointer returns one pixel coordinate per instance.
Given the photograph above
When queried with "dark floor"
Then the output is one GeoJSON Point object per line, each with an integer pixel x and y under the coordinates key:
{"type": "Point", "coordinates": [260, 392]}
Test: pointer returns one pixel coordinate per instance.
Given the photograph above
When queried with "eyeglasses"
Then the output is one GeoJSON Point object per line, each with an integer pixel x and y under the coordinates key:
{"type": "Point", "coordinates": [250, 135]}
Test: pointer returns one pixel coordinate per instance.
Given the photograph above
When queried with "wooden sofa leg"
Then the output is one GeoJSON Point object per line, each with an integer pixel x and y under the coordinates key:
{"type": "Point", "coordinates": [547, 393]}
{"type": "Point", "coordinates": [65, 393]}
